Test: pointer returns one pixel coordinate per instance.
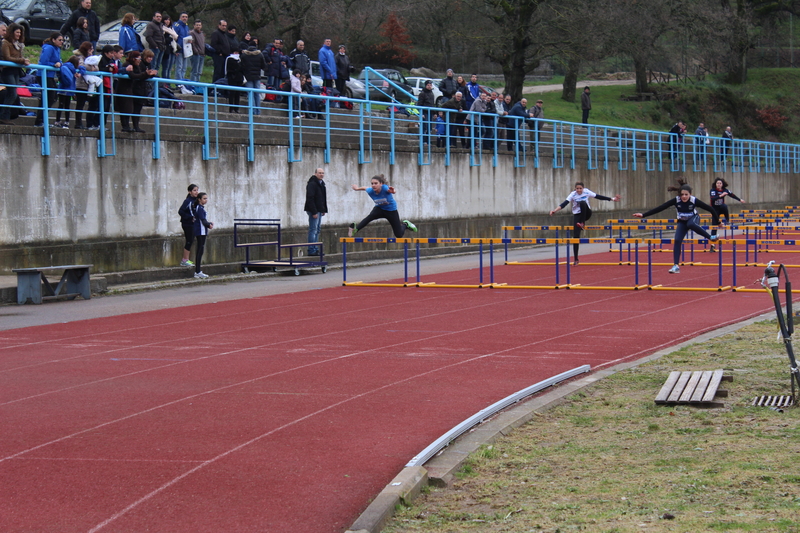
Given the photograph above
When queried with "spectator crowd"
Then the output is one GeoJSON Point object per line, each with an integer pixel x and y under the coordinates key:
{"type": "Point", "coordinates": [177, 50]}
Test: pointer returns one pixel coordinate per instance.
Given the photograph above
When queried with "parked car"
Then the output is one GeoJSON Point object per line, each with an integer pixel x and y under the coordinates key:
{"type": "Point", "coordinates": [110, 35]}
{"type": "Point", "coordinates": [380, 89]}
{"type": "Point", "coordinates": [38, 18]}
{"type": "Point", "coordinates": [417, 84]}
{"type": "Point", "coordinates": [353, 88]}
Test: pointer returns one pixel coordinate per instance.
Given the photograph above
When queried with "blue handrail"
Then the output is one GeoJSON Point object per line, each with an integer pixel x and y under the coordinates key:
{"type": "Point", "coordinates": [414, 128]}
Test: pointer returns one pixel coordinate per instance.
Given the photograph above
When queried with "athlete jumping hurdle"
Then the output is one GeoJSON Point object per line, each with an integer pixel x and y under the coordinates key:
{"type": "Point", "coordinates": [581, 212]}
{"type": "Point", "coordinates": [688, 218]}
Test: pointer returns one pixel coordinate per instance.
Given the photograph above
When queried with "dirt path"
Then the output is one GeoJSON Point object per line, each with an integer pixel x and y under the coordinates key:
{"type": "Point", "coordinates": [580, 86]}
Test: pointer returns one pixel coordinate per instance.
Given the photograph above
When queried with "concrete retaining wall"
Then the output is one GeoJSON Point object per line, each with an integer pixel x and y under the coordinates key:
{"type": "Point", "coordinates": [120, 212]}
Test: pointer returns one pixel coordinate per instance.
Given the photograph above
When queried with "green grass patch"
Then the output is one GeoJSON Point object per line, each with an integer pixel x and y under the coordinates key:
{"type": "Point", "coordinates": [600, 463]}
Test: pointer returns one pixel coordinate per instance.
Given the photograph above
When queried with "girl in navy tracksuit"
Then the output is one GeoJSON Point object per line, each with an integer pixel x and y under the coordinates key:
{"type": "Point", "coordinates": [201, 227]}
{"type": "Point", "coordinates": [719, 190]}
{"type": "Point", "coordinates": [186, 212]}
{"type": "Point", "coordinates": [579, 198]}
{"type": "Point", "coordinates": [688, 219]}
{"type": "Point", "coordinates": [385, 207]}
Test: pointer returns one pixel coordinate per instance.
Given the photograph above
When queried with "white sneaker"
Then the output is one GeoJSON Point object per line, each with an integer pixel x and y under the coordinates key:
{"type": "Point", "coordinates": [675, 269]}
{"type": "Point", "coordinates": [200, 275]}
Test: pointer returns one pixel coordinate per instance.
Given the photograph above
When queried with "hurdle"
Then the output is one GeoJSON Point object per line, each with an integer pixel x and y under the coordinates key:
{"type": "Point", "coordinates": [377, 240]}
{"type": "Point", "coordinates": [567, 242]}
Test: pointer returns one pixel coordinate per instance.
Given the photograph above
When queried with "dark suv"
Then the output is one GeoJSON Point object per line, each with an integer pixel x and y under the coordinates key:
{"type": "Point", "coordinates": [38, 18]}
{"type": "Point", "coordinates": [386, 91]}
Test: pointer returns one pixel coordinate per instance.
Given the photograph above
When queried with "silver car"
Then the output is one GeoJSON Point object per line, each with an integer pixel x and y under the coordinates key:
{"type": "Point", "coordinates": [353, 88]}
{"type": "Point", "coordinates": [417, 84]}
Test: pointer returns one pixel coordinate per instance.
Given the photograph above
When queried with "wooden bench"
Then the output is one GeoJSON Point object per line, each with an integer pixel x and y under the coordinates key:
{"type": "Point", "coordinates": [693, 388]}
{"type": "Point", "coordinates": [33, 285]}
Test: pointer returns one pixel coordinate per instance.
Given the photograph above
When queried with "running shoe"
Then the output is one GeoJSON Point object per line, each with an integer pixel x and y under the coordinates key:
{"type": "Point", "coordinates": [712, 248]}
{"type": "Point", "coordinates": [581, 225]}
{"type": "Point", "coordinates": [575, 263]}
{"type": "Point", "coordinates": [713, 238]}
{"type": "Point", "coordinates": [410, 226]}
{"type": "Point", "coordinates": [352, 230]}
{"type": "Point", "coordinates": [675, 269]}
{"type": "Point", "coordinates": [200, 275]}
{"type": "Point", "coordinates": [186, 263]}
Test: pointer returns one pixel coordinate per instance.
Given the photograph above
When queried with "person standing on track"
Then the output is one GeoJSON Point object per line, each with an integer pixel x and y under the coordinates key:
{"type": "Point", "coordinates": [688, 219]}
{"type": "Point", "coordinates": [201, 227]}
{"type": "Point", "coordinates": [719, 190]}
{"type": "Point", "coordinates": [316, 207]}
{"type": "Point", "coordinates": [581, 212]}
{"type": "Point", "coordinates": [385, 207]}
{"type": "Point", "coordinates": [186, 212]}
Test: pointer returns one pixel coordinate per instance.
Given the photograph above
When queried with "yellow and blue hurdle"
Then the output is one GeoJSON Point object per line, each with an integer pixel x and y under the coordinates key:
{"type": "Point", "coordinates": [565, 241]}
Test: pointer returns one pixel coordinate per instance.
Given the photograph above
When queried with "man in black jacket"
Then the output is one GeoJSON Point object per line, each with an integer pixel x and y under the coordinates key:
{"type": "Point", "coordinates": [426, 99]}
{"type": "Point", "coordinates": [456, 119]}
{"type": "Point", "coordinates": [222, 49]}
{"type": "Point", "coordinates": [154, 33]}
{"type": "Point", "coordinates": [448, 86]}
{"type": "Point", "coordinates": [316, 207]}
{"type": "Point", "coordinates": [85, 10]}
{"type": "Point", "coordinates": [300, 59]}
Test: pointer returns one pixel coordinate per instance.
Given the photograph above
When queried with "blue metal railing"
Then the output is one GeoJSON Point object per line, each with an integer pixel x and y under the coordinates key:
{"type": "Point", "coordinates": [374, 126]}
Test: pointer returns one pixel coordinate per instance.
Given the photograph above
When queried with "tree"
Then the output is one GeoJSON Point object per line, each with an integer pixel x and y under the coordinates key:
{"type": "Point", "coordinates": [745, 19]}
{"type": "Point", "coordinates": [397, 48]}
{"type": "Point", "coordinates": [517, 40]}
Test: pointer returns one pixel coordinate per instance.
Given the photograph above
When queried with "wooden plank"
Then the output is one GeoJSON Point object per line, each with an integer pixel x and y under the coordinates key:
{"type": "Point", "coordinates": [679, 386]}
{"type": "Point", "coordinates": [40, 269]}
{"type": "Point", "coordinates": [700, 390]}
{"type": "Point", "coordinates": [663, 394]}
{"type": "Point", "coordinates": [690, 386]}
{"type": "Point", "coordinates": [711, 391]}
{"type": "Point", "coordinates": [243, 245]}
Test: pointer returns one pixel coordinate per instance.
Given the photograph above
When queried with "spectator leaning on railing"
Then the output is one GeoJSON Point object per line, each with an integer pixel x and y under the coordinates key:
{"type": "Point", "coordinates": [11, 50]}
{"type": "Point", "coordinates": [51, 57]}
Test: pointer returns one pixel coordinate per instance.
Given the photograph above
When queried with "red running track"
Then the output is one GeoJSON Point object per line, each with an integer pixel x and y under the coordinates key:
{"type": "Point", "coordinates": [290, 412]}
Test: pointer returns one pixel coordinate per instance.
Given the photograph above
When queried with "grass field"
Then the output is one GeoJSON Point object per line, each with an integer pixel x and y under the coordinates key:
{"type": "Point", "coordinates": [611, 460]}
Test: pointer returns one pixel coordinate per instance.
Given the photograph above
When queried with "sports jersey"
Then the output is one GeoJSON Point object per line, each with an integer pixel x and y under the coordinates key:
{"type": "Point", "coordinates": [575, 199]}
{"type": "Point", "coordinates": [383, 199]}
{"type": "Point", "coordinates": [686, 210]}
{"type": "Point", "coordinates": [716, 199]}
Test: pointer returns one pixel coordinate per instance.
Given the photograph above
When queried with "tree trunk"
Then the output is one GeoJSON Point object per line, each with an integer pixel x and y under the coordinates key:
{"type": "Point", "coordinates": [641, 76]}
{"type": "Point", "coordinates": [737, 74]}
{"type": "Point", "coordinates": [571, 79]}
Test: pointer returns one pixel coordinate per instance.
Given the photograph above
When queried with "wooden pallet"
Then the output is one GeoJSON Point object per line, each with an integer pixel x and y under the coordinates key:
{"type": "Point", "coordinates": [693, 388]}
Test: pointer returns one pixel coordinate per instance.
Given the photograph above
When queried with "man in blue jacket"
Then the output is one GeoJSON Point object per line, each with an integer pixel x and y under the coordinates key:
{"type": "Point", "coordinates": [182, 29]}
{"type": "Point", "coordinates": [327, 63]}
